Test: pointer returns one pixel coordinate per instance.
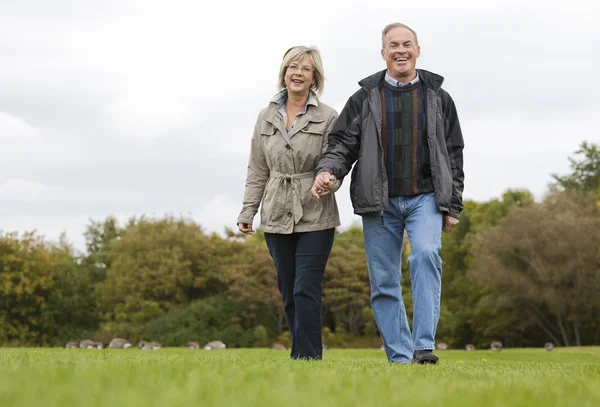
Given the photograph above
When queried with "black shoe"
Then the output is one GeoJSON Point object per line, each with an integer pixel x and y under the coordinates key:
{"type": "Point", "coordinates": [425, 356]}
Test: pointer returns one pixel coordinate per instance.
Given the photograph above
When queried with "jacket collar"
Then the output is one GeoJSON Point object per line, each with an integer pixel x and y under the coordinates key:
{"type": "Point", "coordinates": [429, 79]}
{"type": "Point", "coordinates": [281, 97]}
{"type": "Point", "coordinates": [314, 114]}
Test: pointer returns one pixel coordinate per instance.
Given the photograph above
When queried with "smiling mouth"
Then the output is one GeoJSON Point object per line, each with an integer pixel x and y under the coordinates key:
{"type": "Point", "coordinates": [400, 59]}
{"type": "Point", "coordinates": [298, 81]}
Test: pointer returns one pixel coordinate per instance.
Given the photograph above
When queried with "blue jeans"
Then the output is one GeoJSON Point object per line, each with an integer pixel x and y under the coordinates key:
{"type": "Point", "coordinates": [421, 218]}
{"type": "Point", "coordinates": [300, 260]}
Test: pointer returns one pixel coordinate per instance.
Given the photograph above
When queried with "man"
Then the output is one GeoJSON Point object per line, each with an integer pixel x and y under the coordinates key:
{"type": "Point", "coordinates": [402, 131]}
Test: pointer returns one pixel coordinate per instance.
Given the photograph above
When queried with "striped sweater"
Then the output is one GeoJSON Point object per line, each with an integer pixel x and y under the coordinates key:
{"type": "Point", "coordinates": [404, 139]}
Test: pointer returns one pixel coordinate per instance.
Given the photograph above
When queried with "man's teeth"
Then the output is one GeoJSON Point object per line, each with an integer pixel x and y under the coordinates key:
{"type": "Point", "coordinates": [401, 59]}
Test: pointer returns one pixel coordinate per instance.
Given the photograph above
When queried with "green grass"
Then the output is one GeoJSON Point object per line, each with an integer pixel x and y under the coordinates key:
{"type": "Point", "coordinates": [257, 377]}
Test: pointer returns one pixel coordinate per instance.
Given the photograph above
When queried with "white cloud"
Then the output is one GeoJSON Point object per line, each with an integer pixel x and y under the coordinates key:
{"type": "Point", "coordinates": [144, 115]}
{"type": "Point", "coordinates": [511, 149]}
{"type": "Point", "coordinates": [220, 212]}
{"type": "Point", "coordinates": [23, 191]}
{"type": "Point", "coordinates": [15, 128]}
{"type": "Point", "coordinates": [52, 226]}
{"type": "Point", "coordinates": [27, 148]}
{"type": "Point", "coordinates": [521, 133]}
{"type": "Point", "coordinates": [146, 107]}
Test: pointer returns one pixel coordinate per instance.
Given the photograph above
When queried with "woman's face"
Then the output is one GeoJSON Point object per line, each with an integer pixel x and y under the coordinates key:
{"type": "Point", "coordinates": [299, 76]}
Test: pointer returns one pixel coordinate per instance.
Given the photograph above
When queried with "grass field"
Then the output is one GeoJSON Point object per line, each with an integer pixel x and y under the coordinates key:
{"type": "Point", "coordinates": [257, 377]}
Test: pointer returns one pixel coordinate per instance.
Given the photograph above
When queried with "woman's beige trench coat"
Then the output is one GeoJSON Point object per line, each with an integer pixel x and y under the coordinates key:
{"type": "Point", "coordinates": [280, 172]}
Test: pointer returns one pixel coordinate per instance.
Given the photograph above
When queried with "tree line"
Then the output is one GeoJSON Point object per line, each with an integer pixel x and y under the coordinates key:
{"type": "Point", "coordinates": [515, 270]}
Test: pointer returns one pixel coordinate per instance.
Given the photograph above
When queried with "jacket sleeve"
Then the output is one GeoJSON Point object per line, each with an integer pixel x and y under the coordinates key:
{"type": "Point", "coordinates": [332, 119]}
{"type": "Point", "coordinates": [256, 178]}
{"type": "Point", "coordinates": [344, 141]}
{"type": "Point", "coordinates": [455, 145]}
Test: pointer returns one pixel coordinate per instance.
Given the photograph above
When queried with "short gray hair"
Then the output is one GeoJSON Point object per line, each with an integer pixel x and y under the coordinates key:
{"type": "Point", "coordinates": [298, 53]}
{"type": "Point", "coordinates": [396, 25]}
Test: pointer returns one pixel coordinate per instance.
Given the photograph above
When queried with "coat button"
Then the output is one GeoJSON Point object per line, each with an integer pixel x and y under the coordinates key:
{"type": "Point", "coordinates": [289, 214]}
{"type": "Point", "coordinates": [287, 146]}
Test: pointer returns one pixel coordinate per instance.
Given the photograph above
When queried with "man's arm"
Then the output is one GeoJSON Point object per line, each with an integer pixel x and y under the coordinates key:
{"type": "Point", "coordinates": [344, 141]}
{"type": "Point", "coordinates": [455, 145]}
{"type": "Point", "coordinates": [333, 184]}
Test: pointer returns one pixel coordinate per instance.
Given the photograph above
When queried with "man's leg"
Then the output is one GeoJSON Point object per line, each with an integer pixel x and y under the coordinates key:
{"type": "Point", "coordinates": [383, 245]}
{"type": "Point", "coordinates": [283, 251]}
{"type": "Point", "coordinates": [424, 227]}
{"type": "Point", "coordinates": [312, 252]}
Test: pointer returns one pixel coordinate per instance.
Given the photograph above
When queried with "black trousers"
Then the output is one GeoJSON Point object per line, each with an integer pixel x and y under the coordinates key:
{"type": "Point", "coordinates": [300, 260]}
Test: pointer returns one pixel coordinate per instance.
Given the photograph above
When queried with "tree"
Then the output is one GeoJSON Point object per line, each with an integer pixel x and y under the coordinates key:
{"type": "Point", "coordinates": [461, 320]}
{"type": "Point", "coordinates": [540, 263]}
{"type": "Point", "coordinates": [151, 272]}
{"type": "Point", "coordinates": [253, 284]}
{"type": "Point", "coordinates": [25, 282]}
{"type": "Point", "coordinates": [202, 321]}
{"type": "Point", "coordinates": [98, 238]}
{"type": "Point", "coordinates": [70, 311]}
{"type": "Point", "coordinates": [585, 172]}
{"type": "Point", "coordinates": [162, 264]}
{"type": "Point", "coordinates": [346, 289]}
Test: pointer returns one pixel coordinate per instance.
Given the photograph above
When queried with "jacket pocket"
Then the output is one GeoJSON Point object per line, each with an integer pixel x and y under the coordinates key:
{"type": "Point", "coordinates": [311, 139]}
{"type": "Point", "coordinates": [267, 129]}
{"type": "Point", "coordinates": [270, 205]}
{"type": "Point", "coordinates": [444, 177]}
{"type": "Point", "coordinates": [312, 208]}
{"type": "Point", "coordinates": [315, 128]}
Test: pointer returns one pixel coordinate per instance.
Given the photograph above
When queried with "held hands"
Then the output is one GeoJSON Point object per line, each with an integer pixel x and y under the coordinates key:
{"type": "Point", "coordinates": [245, 228]}
{"type": "Point", "coordinates": [324, 183]}
{"type": "Point", "coordinates": [448, 223]}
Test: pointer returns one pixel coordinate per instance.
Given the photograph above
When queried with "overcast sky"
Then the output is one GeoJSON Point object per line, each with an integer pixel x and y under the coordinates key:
{"type": "Point", "coordinates": [124, 108]}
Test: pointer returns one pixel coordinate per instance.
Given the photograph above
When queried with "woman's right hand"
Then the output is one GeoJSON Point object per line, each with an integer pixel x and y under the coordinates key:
{"type": "Point", "coordinates": [324, 183]}
{"type": "Point", "coordinates": [245, 228]}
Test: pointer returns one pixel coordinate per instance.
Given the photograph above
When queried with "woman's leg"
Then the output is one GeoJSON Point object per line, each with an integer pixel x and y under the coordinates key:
{"type": "Point", "coordinates": [283, 251]}
{"type": "Point", "coordinates": [312, 253]}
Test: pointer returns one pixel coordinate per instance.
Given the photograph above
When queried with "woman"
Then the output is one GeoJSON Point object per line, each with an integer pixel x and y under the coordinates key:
{"type": "Point", "coordinates": [289, 138]}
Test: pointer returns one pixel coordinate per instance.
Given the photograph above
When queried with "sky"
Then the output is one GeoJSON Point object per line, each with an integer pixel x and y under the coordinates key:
{"type": "Point", "coordinates": [131, 108]}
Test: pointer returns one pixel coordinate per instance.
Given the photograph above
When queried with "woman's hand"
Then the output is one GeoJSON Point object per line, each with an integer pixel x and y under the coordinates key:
{"type": "Point", "coordinates": [245, 228]}
{"type": "Point", "coordinates": [324, 183]}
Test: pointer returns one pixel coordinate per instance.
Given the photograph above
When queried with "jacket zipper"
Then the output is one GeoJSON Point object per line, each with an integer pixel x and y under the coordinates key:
{"type": "Point", "coordinates": [381, 169]}
{"type": "Point", "coordinates": [381, 165]}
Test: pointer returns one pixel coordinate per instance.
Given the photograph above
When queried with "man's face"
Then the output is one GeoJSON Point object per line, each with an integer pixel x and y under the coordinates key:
{"type": "Point", "coordinates": [400, 53]}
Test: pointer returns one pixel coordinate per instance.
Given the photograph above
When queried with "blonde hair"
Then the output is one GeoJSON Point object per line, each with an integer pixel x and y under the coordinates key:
{"type": "Point", "coordinates": [396, 25]}
{"type": "Point", "coordinates": [296, 54]}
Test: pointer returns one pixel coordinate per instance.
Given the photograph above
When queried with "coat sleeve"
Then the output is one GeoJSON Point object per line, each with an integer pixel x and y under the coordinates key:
{"type": "Point", "coordinates": [344, 141]}
{"type": "Point", "coordinates": [256, 178]}
{"type": "Point", "coordinates": [455, 145]}
{"type": "Point", "coordinates": [332, 119]}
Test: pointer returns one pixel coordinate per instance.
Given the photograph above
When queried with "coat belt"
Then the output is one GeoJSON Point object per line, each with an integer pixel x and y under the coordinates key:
{"type": "Point", "coordinates": [291, 180]}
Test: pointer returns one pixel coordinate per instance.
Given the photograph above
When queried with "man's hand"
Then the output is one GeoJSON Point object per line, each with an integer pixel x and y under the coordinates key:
{"type": "Point", "coordinates": [448, 223]}
{"type": "Point", "coordinates": [324, 183]}
{"type": "Point", "coordinates": [245, 228]}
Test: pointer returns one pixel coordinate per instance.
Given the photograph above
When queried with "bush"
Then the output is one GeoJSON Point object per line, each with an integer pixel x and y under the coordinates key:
{"type": "Point", "coordinates": [204, 320]}
{"type": "Point", "coordinates": [261, 337]}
